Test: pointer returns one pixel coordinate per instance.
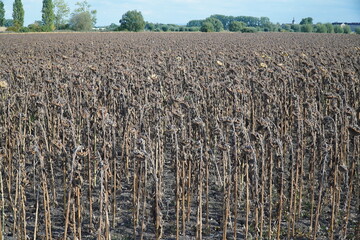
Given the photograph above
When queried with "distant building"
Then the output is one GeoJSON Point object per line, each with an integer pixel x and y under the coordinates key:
{"type": "Point", "coordinates": [352, 25]}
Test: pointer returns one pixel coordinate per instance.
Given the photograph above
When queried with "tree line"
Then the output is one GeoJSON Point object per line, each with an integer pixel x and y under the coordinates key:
{"type": "Point", "coordinates": [217, 23]}
{"type": "Point", "coordinates": [55, 14]}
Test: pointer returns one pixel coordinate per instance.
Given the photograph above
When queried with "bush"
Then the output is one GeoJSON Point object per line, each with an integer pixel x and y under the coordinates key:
{"type": "Point", "coordinates": [112, 27]}
{"type": "Point", "coordinates": [12, 29]}
{"type": "Point", "coordinates": [24, 29]}
{"type": "Point", "coordinates": [357, 30]}
{"type": "Point", "coordinates": [249, 30]}
{"type": "Point", "coordinates": [193, 29]}
{"type": "Point", "coordinates": [35, 28]}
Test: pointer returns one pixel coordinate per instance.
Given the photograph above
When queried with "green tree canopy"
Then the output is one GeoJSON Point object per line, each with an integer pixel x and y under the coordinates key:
{"type": "Point", "coordinates": [37, 26]}
{"type": "Point", "coordinates": [236, 26]}
{"type": "Point", "coordinates": [225, 20]}
{"type": "Point", "coordinates": [265, 22]}
{"type": "Point", "coordinates": [248, 20]}
{"type": "Point", "coordinates": [194, 23]}
{"type": "Point", "coordinates": [18, 14]}
{"type": "Point", "coordinates": [112, 27]}
{"type": "Point", "coordinates": [262, 22]}
{"type": "Point", "coordinates": [347, 29]}
{"type": "Point", "coordinates": [321, 28]}
{"type": "Point", "coordinates": [132, 21]}
{"type": "Point", "coordinates": [295, 27]}
{"type": "Point", "coordinates": [218, 26]}
{"type": "Point", "coordinates": [84, 6]}
{"type": "Point", "coordinates": [285, 27]}
{"type": "Point", "coordinates": [165, 28]}
{"type": "Point", "coordinates": [207, 26]}
{"type": "Point", "coordinates": [150, 26]}
{"type": "Point", "coordinates": [249, 30]}
{"type": "Point", "coordinates": [329, 28]}
{"type": "Point", "coordinates": [48, 16]}
{"type": "Point", "coordinates": [2, 14]}
{"type": "Point", "coordinates": [62, 12]}
{"type": "Point", "coordinates": [81, 21]}
{"type": "Point", "coordinates": [9, 23]}
{"type": "Point", "coordinates": [338, 29]}
{"type": "Point", "coordinates": [307, 20]}
{"type": "Point", "coordinates": [306, 28]}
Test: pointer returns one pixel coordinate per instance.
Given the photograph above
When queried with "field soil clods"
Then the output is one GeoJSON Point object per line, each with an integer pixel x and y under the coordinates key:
{"type": "Point", "coordinates": [179, 136]}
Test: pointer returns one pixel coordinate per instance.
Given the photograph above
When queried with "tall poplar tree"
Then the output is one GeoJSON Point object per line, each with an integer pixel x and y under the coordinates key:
{"type": "Point", "coordinates": [18, 14]}
{"type": "Point", "coordinates": [2, 14]}
{"type": "Point", "coordinates": [48, 16]}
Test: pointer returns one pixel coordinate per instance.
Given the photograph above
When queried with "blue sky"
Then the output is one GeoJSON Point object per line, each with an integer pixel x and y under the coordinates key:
{"type": "Point", "coordinates": [182, 11]}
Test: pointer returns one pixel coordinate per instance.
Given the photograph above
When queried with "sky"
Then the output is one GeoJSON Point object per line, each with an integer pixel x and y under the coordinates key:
{"type": "Point", "coordinates": [182, 11]}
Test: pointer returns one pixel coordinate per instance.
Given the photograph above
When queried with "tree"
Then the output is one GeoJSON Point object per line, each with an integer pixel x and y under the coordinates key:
{"type": "Point", "coordinates": [48, 16]}
{"type": "Point", "coordinates": [18, 14]}
{"type": "Point", "coordinates": [132, 21]}
{"type": "Point", "coordinates": [295, 27]}
{"type": "Point", "coordinates": [81, 21]}
{"type": "Point", "coordinates": [321, 28]}
{"type": "Point", "coordinates": [225, 20]}
{"type": "Point", "coordinates": [150, 26]}
{"type": "Point", "coordinates": [329, 27]}
{"type": "Point", "coordinates": [194, 23]}
{"type": "Point", "coordinates": [347, 29]}
{"type": "Point", "coordinates": [112, 27]}
{"type": "Point", "coordinates": [307, 20]}
{"type": "Point", "coordinates": [306, 28]}
{"type": "Point", "coordinates": [2, 14]}
{"type": "Point", "coordinates": [357, 30]}
{"type": "Point", "coordinates": [84, 6]}
{"type": "Point", "coordinates": [338, 29]}
{"type": "Point", "coordinates": [62, 12]}
{"type": "Point", "coordinates": [207, 26]}
{"type": "Point", "coordinates": [265, 22]}
{"type": "Point", "coordinates": [248, 20]}
{"type": "Point", "coordinates": [236, 26]}
{"type": "Point", "coordinates": [9, 23]}
{"type": "Point", "coordinates": [284, 27]}
{"type": "Point", "coordinates": [218, 26]}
